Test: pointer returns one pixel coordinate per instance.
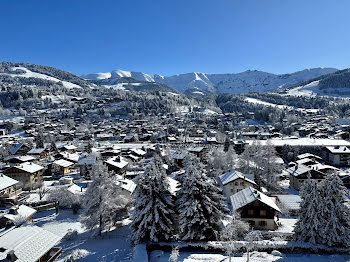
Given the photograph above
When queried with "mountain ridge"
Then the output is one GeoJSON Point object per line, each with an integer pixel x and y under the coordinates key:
{"type": "Point", "coordinates": [235, 83]}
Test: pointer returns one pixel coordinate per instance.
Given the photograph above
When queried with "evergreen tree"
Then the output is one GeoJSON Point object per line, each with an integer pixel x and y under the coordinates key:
{"type": "Point", "coordinates": [152, 218]}
{"type": "Point", "coordinates": [335, 229]}
{"type": "Point", "coordinates": [200, 204]}
{"type": "Point", "coordinates": [308, 225]}
{"type": "Point", "coordinates": [39, 141]}
{"type": "Point", "coordinates": [53, 147]}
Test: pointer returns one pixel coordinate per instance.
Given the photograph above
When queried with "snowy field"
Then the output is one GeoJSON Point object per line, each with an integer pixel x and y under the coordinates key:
{"type": "Point", "coordinates": [111, 246]}
{"type": "Point", "coordinates": [260, 102]}
{"type": "Point", "coordinates": [159, 256]}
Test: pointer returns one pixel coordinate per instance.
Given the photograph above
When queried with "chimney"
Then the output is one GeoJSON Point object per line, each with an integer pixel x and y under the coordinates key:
{"type": "Point", "coordinates": [11, 256]}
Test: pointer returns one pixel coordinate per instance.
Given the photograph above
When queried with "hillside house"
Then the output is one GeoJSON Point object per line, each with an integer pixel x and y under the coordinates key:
{"type": "Point", "coordinates": [26, 173]}
{"type": "Point", "coordinates": [256, 208]}
{"type": "Point", "coordinates": [336, 155]}
{"type": "Point", "coordinates": [233, 182]}
{"type": "Point", "coordinates": [9, 190]}
{"type": "Point", "coordinates": [117, 165]}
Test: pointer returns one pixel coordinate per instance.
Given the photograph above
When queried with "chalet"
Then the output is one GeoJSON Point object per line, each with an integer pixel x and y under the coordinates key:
{"type": "Point", "coordinates": [30, 244]}
{"type": "Point", "coordinates": [63, 166]}
{"type": "Point", "coordinates": [19, 149]}
{"type": "Point", "coordinates": [233, 182]}
{"type": "Point", "coordinates": [336, 155]}
{"type": "Point", "coordinates": [256, 208]}
{"type": "Point", "coordinates": [299, 173]}
{"type": "Point", "coordinates": [9, 190]}
{"type": "Point", "coordinates": [179, 158]}
{"type": "Point", "coordinates": [198, 151]}
{"type": "Point", "coordinates": [109, 153]}
{"type": "Point", "coordinates": [38, 152]}
{"type": "Point", "coordinates": [14, 160]}
{"type": "Point", "coordinates": [117, 165]}
{"type": "Point", "coordinates": [26, 173]}
{"type": "Point", "coordinates": [85, 163]}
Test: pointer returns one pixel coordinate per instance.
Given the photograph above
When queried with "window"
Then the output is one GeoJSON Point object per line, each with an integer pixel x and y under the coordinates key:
{"type": "Point", "coordinates": [251, 222]}
{"type": "Point", "coordinates": [262, 223]}
{"type": "Point", "coordinates": [238, 190]}
{"type": "Point", "coordinates": [256, 203]}
{"type": "Point", "coordinates": [250, 212]}
{"type": "Point", "coordinates": [236, 183]}
{"type": "Point", "coordinates": [263, 213]}
{"type": "Point", "coordinates": [231, 190]}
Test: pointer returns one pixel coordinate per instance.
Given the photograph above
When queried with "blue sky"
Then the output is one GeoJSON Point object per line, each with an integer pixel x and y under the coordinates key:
{"type": "Point", "coordinates": [176, 36]}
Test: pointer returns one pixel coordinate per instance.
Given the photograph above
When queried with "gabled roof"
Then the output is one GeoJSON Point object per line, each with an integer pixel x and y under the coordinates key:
{"type": "Point", "coordinates": [232, 176]}
{"type": "Point", "coordinates": [29, 167]}
{"type": "Point", "coordinates": [117, 162]}
{"type": "Point", "coordinates": [63, 163]}
{"type": "Point", "coordinates": [6, 181]}
{"type": "Point", "coordinates": [249, 195]}
{"type": "Point", "coordinates": [36, 151]}
{"type": "Point", "coordinates": [29, 243]}
{"type": "Point", "coordinates": [87, 160]}
{"type": "Point", "coordinates": [24, 212]}
{"type": "Point", "coordinates": [15, 148]}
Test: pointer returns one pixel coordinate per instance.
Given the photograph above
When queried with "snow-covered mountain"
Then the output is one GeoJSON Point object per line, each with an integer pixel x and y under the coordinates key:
{"type": "Point", "coordinates": [248, 81]}
{"type": "Point", "coordinates": [335, 84]}
{"type": "Point", "coordinates": [26, 74]}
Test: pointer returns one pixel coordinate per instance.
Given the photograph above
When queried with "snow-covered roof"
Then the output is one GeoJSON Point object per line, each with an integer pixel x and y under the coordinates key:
{"type": "Point", "coordinates": [338, 149]}
{"type": "Point", "coordinates": [195, 149]}
{"type": "Point", "coordinates": [6, 182]}
{"type": "Point", "coordinates": [290, 201]}
{"type": "Point", "coordinates": [70, 147]}
{"type": "Point", "coordinates": [63, 163]}
{"type": "Point", "coordinates": [178, 155]}
{"type": "Point", "coordinates": [21, 158]}
{"type": "Point", "coordinates": [15, 148]}
{"type": "Point", "coordinates": [36, 151]}
{"type": "Point", "coordinates": [87, 160]}
{"type": "Point", "coordinates": [232, 176]}
{"type": "Point", "coordinates": [70, 157]}
{"type": "Point", "coordinates": [117, 162]}
{"type": "Point", "coordinates": [249, 195]}
{"type": "Point", "coordinates": [127, 184]}
{"type": "Point", "coordinates": [29, 243]}
{"type": "Point", "coordinates": [29, 167]}
{"type": "Point", "coordinates": [308, 155]}
{"type": "Point", "coordinates": [138, 151]}
{"type": "Point", "coordinates": [298, 170]}
{"type": "Point", "coordinates": [24, 212]}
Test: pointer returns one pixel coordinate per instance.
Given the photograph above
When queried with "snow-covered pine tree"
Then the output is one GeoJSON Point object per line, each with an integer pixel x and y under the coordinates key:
{"type": "Point", "coordinates": [39, 140]}
{"type": "Point", "coordinates": [335, 229]}
{"type": "Point", "coordinates": [153, 215]}
{"type": "Point", "coordinates": [308, 225]}
{"type": "Point", "coordinates": [200, 203]}
{"type": "Point", "coordinates": [103, 201]}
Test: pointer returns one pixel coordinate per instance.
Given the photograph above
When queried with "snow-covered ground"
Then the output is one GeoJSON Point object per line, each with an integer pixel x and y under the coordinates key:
{"type": "Point", "coordinates": [111, 246]}
{"type": "Point", "coordinates": [29, 73]}
{"type": "Point", "coordinates": [159, 256]}
{"type": "Point", "coordinates": [260, 102]}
